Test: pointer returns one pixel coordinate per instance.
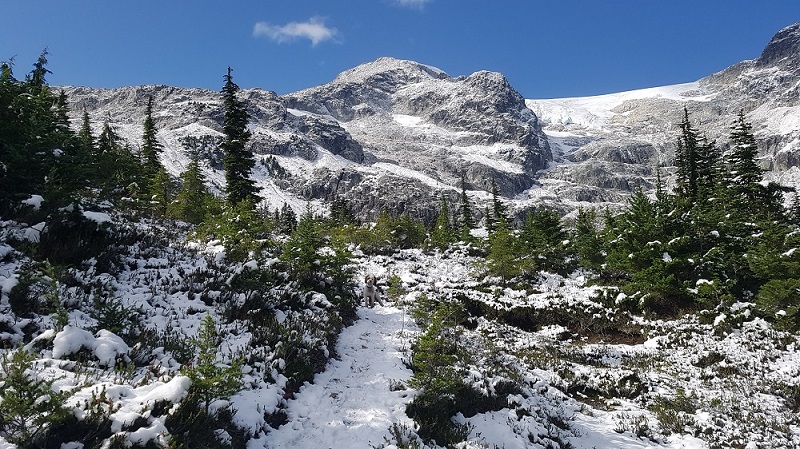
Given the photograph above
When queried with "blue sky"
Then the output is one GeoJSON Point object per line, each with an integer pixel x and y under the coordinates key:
{"type": "Point", "coordinates": [545, 48]}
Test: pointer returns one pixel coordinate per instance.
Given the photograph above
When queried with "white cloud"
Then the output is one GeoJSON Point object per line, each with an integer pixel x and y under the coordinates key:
{"type": "Point", "coordinates": [413, 3]}
{"type": "Point", "coordinates": [314, 30]}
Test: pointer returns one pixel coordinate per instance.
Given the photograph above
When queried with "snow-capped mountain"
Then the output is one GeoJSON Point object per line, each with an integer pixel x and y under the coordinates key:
{"type": "Point", "coordinates": [606, 145]}
{"type": "Point", "coordinates": [396, 135]}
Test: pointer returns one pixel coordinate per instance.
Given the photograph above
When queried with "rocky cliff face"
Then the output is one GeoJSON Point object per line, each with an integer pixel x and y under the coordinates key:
{"type": "Point", "coordinates": [388, 134]}
{"type": "Point", "coordinates": [398, 135]}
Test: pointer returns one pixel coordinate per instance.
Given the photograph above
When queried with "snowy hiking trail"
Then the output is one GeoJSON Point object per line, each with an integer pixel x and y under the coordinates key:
{"type": "Point", "coordinates": [350, 404]}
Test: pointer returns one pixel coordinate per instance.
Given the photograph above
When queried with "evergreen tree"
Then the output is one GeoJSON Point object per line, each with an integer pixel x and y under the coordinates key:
{"type": "Point", "coordinates": [744, 178]}
{"type": "Point", "coordinates": [502, 258]}
{"type": "Point", "coordinates": [35, 149]}
{"type": "Point", "coordinates": [499, 209]}
{"type": "Point", "coordinates": [586, 240]}
{"type": "Point", "coordinates": [151, 148]}
{"type": "Point", "coordinates": [106, 160]}
{"type": "Point", "coordinates": [744, 174]}
{"type": "Point", "coordinates": [62, 112]}
{"type": "Point", "coordinates": [794, 212]}
{"type": "Point", "coordinates": [542, 238]}
{"type": "Point", "coordinates": [36, 79]}
{"type": "Point", "coordinates": [30, 407]}
{"type": "Point", "coordinates": [686, 160]}
{"type": "Point", "coordinates": [285, 219]}
{"type": "Point", "coordinates": [109, 141]}
{"type": "Point", "coordinates": [708, 169]}
{"type": "Point", "coordinates": [442, 234]}
{"type": "Point", "coordinates": [161, 192]}
{"type": "Point", "coordinates": [87, 142]}
{"type": "Point", "coordinates": [341, 213]}
{"type": "Point", "coordinates": [238, 160]}
{"type": "Point", "coordinates": [467, 221]}
{"type": "Point", "coordinates": [301, 250]}
{"type": "Point", "coordinates": [191, 202]}
{"type": "Point", "coordinates": [211, 381]}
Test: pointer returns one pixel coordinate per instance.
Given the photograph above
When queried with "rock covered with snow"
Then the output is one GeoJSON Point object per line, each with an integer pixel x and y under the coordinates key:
{"type": "Point", "coordinates": [631, 134]}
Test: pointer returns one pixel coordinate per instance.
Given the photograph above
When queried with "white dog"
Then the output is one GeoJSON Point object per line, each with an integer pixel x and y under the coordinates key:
{"type": "Point", "coordinates": [371, 293]}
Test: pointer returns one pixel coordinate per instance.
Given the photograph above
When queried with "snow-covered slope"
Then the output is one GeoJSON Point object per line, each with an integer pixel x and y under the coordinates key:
{"type": "Point", "coordinates": [608, 144]}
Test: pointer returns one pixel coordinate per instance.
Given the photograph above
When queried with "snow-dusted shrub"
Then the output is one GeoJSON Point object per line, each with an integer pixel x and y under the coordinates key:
{"type": "Point", "coordinates": [29, 407]}
{"type": "Point", "coordinates": [36, 290]}
{"type": "Point", "coordinates": [401, 436]}
{"type": "Point", "coordinates": [192, 426]}
{"type": "Point", "coordinates": [674, 414]}
{"type": "Point", "coordinates": [441, 363]}
{"type": "Point", "coordinates": [211, 381]}
{"type": "Point", "coordinates": [113, 316]}
{"type": "Point", "coordinates": [637, 424]}
{"type": "Point", "coordinates": [778, 301]}
{"type": "Point", "coordinates": [73, 235]}
{"type": "Point", "coordinates": [168, 341]}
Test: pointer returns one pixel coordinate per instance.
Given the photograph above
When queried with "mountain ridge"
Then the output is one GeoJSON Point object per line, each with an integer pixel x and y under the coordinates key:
{"type": "Point", "coordinates": [409, 131]}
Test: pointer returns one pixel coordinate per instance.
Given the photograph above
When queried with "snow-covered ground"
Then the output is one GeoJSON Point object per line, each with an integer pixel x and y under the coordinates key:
{"type": "Point", "coordinates": [638, 384]}
{"type": "Point", "coordinates": [354, 403]}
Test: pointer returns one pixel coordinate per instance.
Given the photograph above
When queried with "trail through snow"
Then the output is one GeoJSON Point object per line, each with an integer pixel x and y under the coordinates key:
{"type": "Point", "coordinates": [351, 404]}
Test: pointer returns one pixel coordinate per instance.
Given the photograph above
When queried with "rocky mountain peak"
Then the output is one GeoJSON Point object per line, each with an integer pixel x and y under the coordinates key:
{"type": "Point", "coordinates": [389, 74]}
{"type": "Point", "coordinates": [783, 49]}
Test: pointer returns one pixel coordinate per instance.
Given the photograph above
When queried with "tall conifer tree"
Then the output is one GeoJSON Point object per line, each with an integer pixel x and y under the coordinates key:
{"type": "Point", "coordinates": [744, 176]}
{"type": "Point", "coordinates": [192, 200]}
{"type": "Point", "coordinates": [467, 221]}
{"type": "Point", "coordinates": [442, 235]}
{"type": "Point", "coordinates": [238, 160]}
{"type": "Point", "coordinates": [151, 148]}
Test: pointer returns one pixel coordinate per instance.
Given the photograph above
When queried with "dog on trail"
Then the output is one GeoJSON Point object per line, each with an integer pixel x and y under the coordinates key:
{"type": "Point", "coordinates": [371, 293]}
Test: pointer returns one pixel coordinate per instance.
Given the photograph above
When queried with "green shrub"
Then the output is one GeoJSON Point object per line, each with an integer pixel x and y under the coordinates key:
{"type": "Point", "coordinates": [192, 426]}
{"type": "Point", "coordinates": [439, 363]}
{"type": "Point", "coordinates": [70, 238]}
{"type": "Point", "coordinates": [37, 292]}
{"type": "Point", "coordinates": [29, 408]}
{"type": "Point", "coordinates": [209, 380]}
{"type": "Point", "coordinates": [779, 301]}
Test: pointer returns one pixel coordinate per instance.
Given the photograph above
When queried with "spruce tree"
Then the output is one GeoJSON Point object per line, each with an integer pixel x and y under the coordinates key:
{"type": "Point", "coordinates": [442, 234]}
{"type": "Point", "coordinates": [502, 259]}
{"type": "Point", "coordinates": [686, 160]}
{"type": "Point", "coordinates": [161, 192]}
{"type": "Point", "coordinates": [238, 161]}
{"type": "Point", "coordinates": [744, 178]}
{"type": "Point", "coordinates": [87, 142]}
{"type": "Point", "coordinates": [109, 140]}
{"type": "Point", "coordinates": [151, 148]}
{"type": "Point", "coordinates": [586, 240]}
{"type": "Point", "coordinates": [62, 114]}
{"type": "Point", "coordinates": [211, 381]}
{"type": "Point", "coordinates": [36, 79]}
{"type": "Point", "coordinates": [708, 168]}
{"type": "Point", "coordinates": [191, 202]}
{"type": "Point", "coordinates": [285, 219]}
{"type": "Point", "coordinates": [499, 210]}
{"type": "Point", "coordinates": [744, 175]}
{"type": "Point", "coordinates": [301, 250]}
{"type": "Point", "coordinates": [794, 212]}
{"type": "Point", "coordinates": [108, 148]}
{"type": "Point", "coordinates": [467, 221]}
{"type": "Point", "coordinates": [542, 237]}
